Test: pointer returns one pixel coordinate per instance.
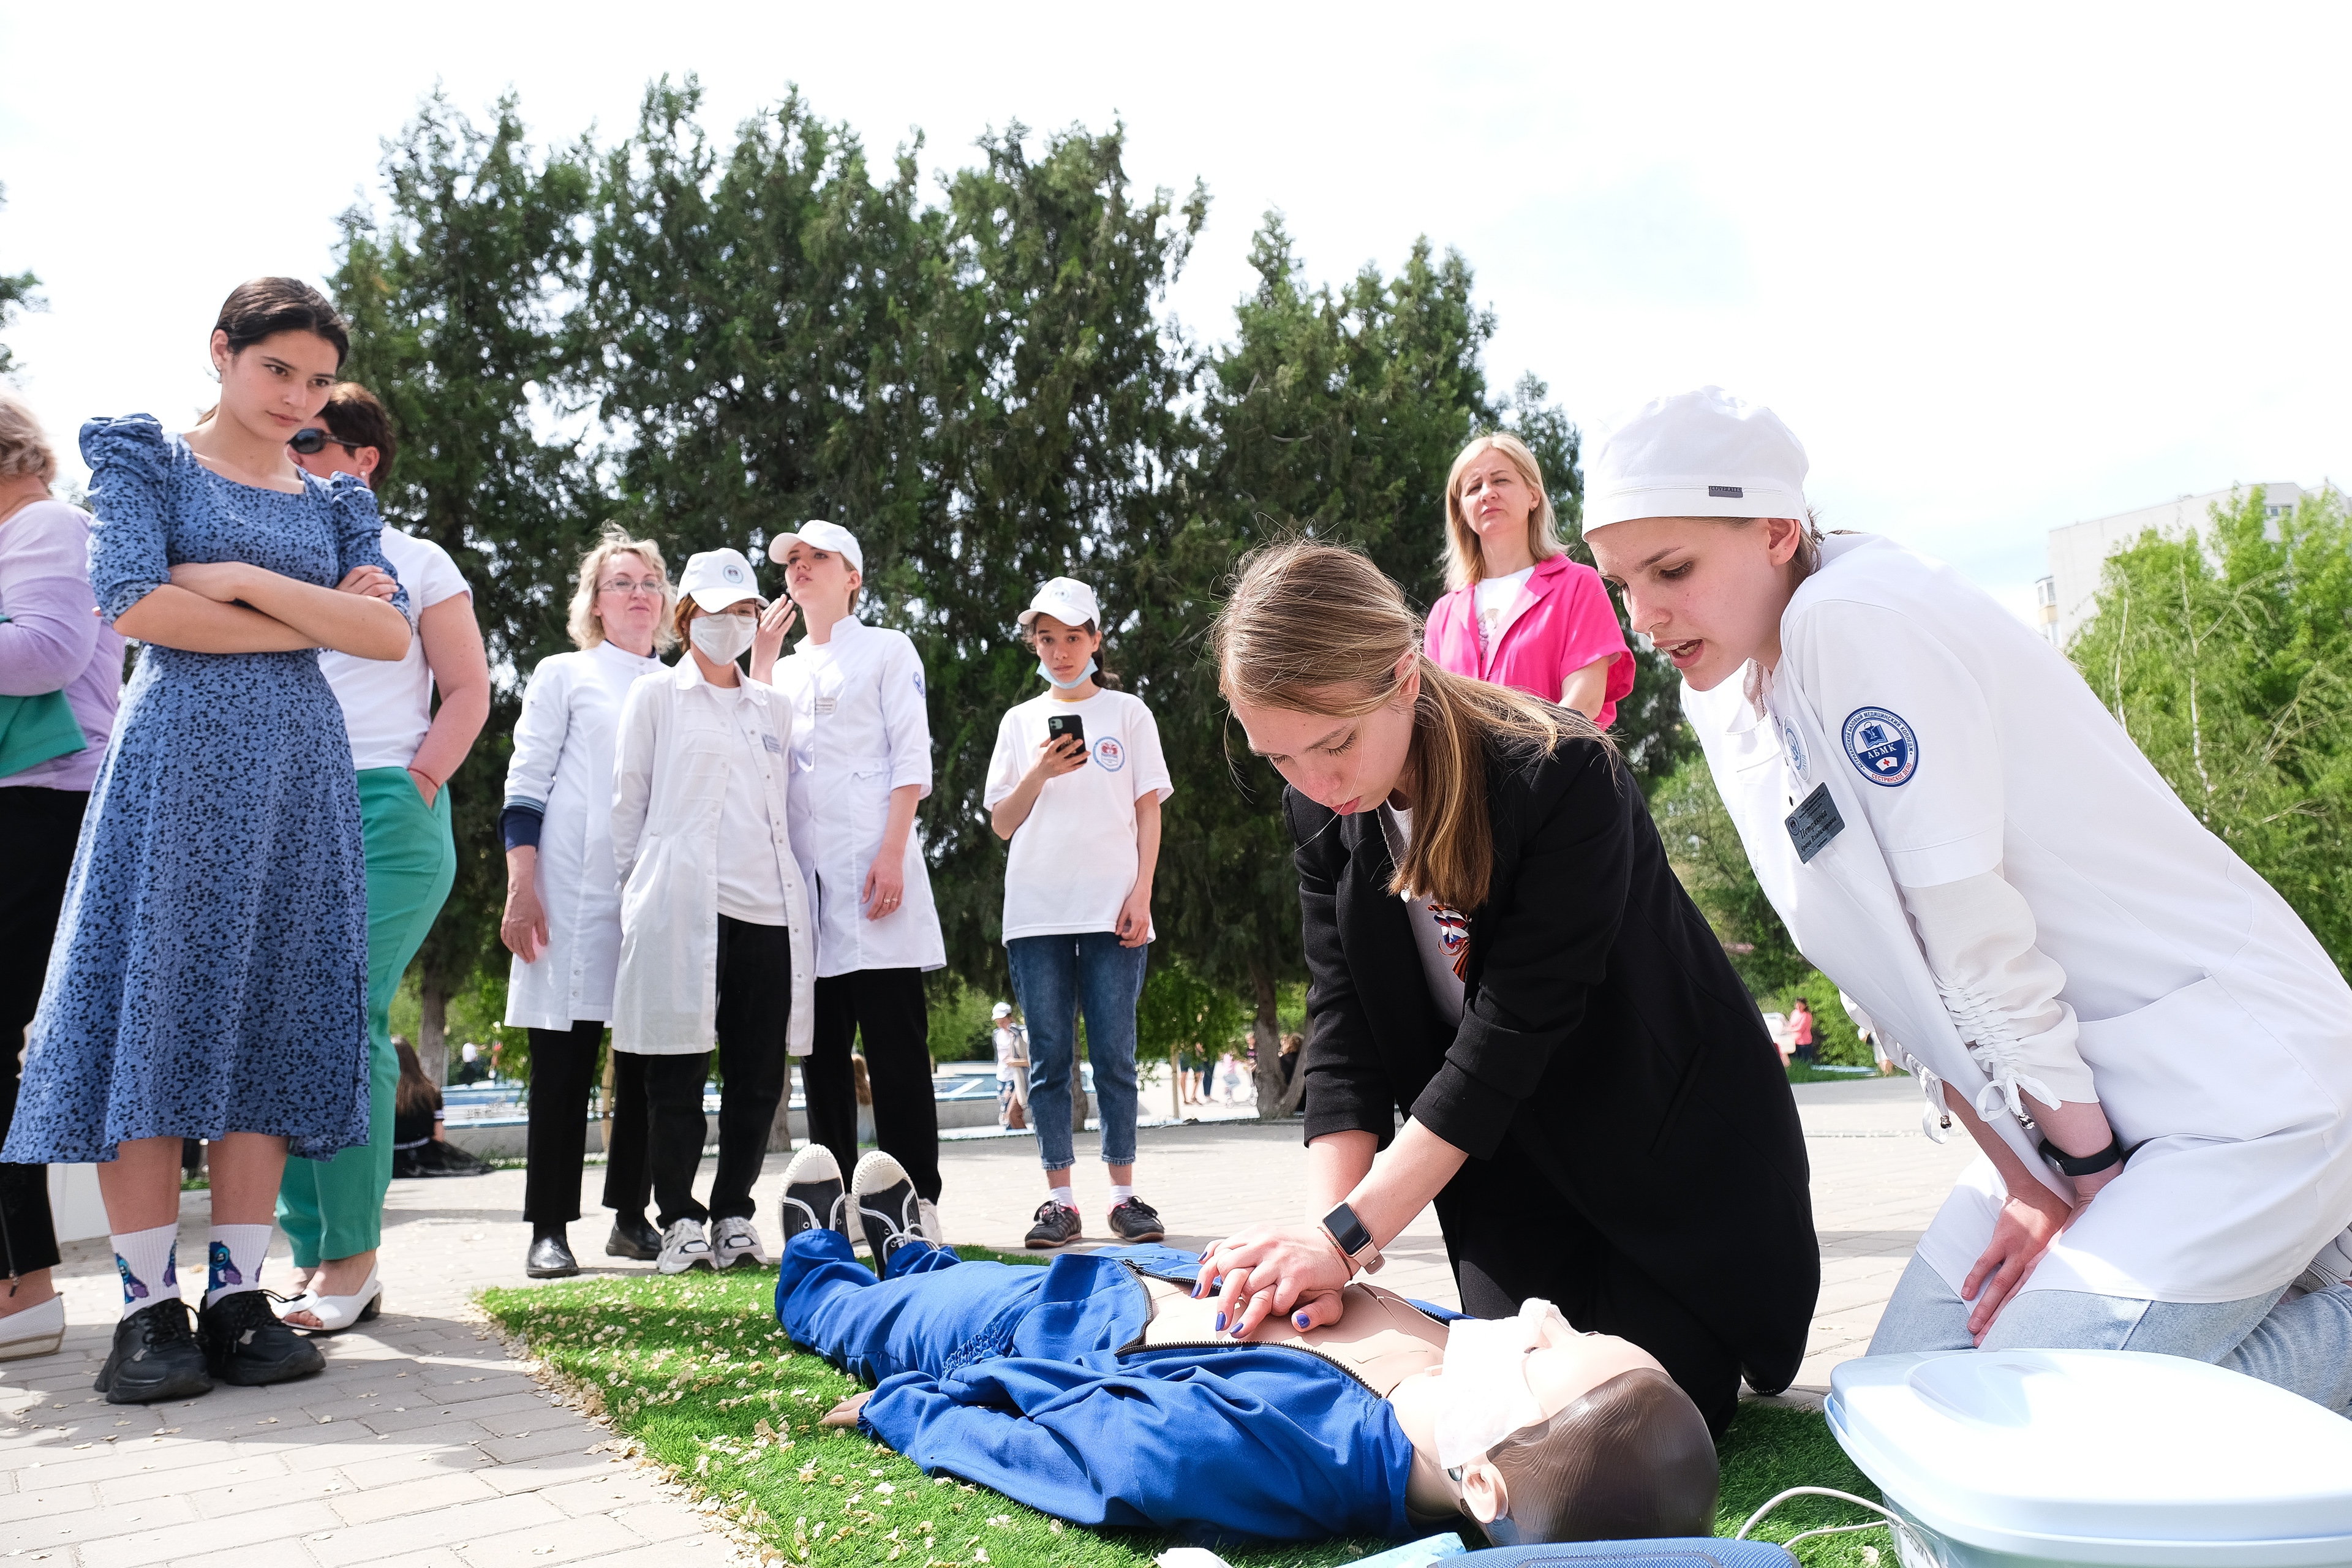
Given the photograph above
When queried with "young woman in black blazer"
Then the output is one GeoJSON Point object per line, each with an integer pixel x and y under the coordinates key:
{"type": "Point", "coordinates": [1498, 951]}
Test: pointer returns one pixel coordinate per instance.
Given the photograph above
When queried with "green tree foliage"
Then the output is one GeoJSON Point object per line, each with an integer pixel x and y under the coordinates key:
{"type": "Point", "coordinates": [2227, 656]}
{"type": "Point", "coordinates": [454, 299]}
{"type": "Point", "coordinates": [1705, 849]}
{"type": "Point", "coordinates": [17, 295]}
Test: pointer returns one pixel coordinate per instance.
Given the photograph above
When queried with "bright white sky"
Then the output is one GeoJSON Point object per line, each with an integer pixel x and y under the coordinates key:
{"type": "Point", "coordinates": [2002, 269]}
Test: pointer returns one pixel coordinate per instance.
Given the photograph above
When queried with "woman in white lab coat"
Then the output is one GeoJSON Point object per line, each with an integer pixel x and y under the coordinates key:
{"type": "Point", "coordinates": [716, 940]}
{"type": "Point", "coordinates": [562, 920]}
{"type": "Point", "coordinates": [1967, 843]}
{"type": "Point", "coordinates": [861, 763]}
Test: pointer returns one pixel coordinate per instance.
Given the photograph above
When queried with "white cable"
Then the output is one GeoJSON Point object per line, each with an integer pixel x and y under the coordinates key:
{"type": "Point", "coordinates": [1755, 1518]}
{"type": "Point", "coordinates": [1839, 1530]}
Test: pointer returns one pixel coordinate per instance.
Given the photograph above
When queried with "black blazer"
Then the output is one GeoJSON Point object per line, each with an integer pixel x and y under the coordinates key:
{"type": "Point", "coordinates": [1606, 1042]}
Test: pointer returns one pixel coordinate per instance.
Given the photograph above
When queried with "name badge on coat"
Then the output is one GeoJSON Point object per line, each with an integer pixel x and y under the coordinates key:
{"type": "Point", "coordinates": [825, 705]}
{"type": "Point", "coordinates": [1814, 822]}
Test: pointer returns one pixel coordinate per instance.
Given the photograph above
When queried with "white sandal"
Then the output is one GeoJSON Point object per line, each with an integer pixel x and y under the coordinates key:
{"type": "Point", "coordinates": [336, 1314]}
{"type": "Point", "coordinates": [33, 1331]}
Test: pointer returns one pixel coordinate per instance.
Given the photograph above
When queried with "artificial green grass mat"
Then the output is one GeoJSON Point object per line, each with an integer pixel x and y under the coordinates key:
{"type": "Point", "coordinates": [696, 1369]}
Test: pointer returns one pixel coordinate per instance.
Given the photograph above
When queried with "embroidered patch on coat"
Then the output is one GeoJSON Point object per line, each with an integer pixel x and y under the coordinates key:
{"type": "Point", "coordinates": [1883, 746]}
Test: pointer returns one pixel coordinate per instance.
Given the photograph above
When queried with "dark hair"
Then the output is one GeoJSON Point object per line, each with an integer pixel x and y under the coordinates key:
{"type": "Point", "coordinates": [1632, 1459]}
{"type": "Point", "coordinates": [1105, 675]}
{"type": "Point", "coordinates": [354, 414]}
{"type": "Point", "coordinates": [415, 1091]}
{"type": "Point", "coordinates": [262, 306]}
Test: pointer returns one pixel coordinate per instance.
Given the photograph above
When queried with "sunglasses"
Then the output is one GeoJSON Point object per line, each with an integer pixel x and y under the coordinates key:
{"type": "Point", "coordinates": [311, 441]}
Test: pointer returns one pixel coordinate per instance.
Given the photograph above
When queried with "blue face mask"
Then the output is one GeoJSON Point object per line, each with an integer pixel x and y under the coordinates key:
{"type": "Point", "coordinates": [1084, 676]}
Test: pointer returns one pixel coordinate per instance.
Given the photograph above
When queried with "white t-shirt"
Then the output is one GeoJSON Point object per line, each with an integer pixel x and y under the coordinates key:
{"type": "Point", "coordinates": [1439, 934]}
{"type": "Point", "coordinates": [388, 703]}
{"type": "Point", "coordinates": [750, 887]}
{"type": "Point", "coordinates": [1074, 860]}
{"type": "Point", "coordinates": [1493, 598]}
{"type": "Point", "coordinates": [1010, 1048]}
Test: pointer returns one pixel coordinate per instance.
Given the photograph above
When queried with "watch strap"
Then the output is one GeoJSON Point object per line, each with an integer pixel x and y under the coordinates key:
{"type": "Point", "coordinates": [2114, 1154]}
{"type": "Point", "coordinates": [1353, 1238]}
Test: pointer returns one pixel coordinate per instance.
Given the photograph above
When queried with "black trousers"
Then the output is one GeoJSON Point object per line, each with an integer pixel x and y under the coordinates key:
{"type": "Point", "coordinates": [1502, 1254]}
{"type": "Point", "coordinates": [885, 1010]}
{"type": "Point", "coordinates": [563, 1070]}
{"type": "Point", "coordinates": [37, 831]}
{"type": "Point", "coordinates": [755, 1016]}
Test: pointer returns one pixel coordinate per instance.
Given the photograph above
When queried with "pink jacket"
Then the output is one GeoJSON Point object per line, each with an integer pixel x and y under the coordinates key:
{"type": "Point", "coordinates": [1562, 622]}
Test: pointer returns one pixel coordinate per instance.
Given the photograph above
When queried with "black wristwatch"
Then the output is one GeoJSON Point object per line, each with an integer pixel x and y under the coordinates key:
{"type": "Point", "coordinates": [2114, 1154]}
{"type": "Point", "coordinates": [1348, 1235]}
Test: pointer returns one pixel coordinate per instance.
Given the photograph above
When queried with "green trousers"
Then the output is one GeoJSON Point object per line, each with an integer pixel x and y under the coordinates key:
{"type": "Point", "coordinates": [334, 1209]}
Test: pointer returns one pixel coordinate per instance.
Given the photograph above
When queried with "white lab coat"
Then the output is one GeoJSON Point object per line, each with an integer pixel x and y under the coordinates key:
{"type": "Point", "coordinates": [562, 762]}
{"type": "Point", "coordinates": [2217, 1033]}
{"type": "Point", "coordinates": [678, 736]}
{"type": "Point", "coordinates": [859, 731]}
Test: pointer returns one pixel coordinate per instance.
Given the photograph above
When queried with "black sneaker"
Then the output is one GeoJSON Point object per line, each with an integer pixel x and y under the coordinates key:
{"type": "Point", "coordinates": [633, 1238]}
{"type": "Point", "coordinates": [246, 1344]}
{"type": "Point", "coordinates": [155, 1356]}
{"type": "Point", "coordinates": [1132, 1219]}
{"type": "Point", "coordinates": [813, 1198]}
{"type": "Point", "coordinates": [1057, 1225]}
{"type": "Point", "coordinates": [887, 1207]}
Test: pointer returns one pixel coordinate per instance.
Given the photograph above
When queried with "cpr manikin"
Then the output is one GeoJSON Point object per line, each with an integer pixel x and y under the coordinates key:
{"type": "Point", "coordinates": [2152, 1050]}
{"type": "Point", "coordinates": [1101, 1391]}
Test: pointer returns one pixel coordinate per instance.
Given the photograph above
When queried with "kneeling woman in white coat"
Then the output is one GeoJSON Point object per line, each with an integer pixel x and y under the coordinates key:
{"type": "Point", "coordinates": [2152, 1050]}
{"type": "Point", "coordinates": [715, 934]}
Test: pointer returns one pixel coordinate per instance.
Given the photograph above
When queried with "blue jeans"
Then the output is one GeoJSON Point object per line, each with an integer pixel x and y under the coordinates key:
{"type": "Point", "coordinates": [2303, 1346]}
{"type": "Point", "coordinates": [1054, 976]}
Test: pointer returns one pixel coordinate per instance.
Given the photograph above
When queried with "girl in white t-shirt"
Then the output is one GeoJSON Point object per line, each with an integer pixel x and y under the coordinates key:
{"type": "Point", "coordinates": [1075, 785]}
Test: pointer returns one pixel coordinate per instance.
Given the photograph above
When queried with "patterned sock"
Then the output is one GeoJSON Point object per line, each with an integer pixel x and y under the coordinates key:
{"type": "Point", "coordinates": [236, 1254]}
{"type": "Point", "coordinates": [1119, 1194]}
{"type": "Point", "coordinates": [1064, 1196]}
{"type": "Point", "coordinates": [143, 1258]}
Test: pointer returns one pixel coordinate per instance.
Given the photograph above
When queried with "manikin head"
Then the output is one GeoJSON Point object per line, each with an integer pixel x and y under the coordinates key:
{"type": "Point", "coordinates": [1695, 511]}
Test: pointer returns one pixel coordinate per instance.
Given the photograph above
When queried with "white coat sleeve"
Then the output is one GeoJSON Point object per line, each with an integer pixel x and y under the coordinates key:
{"type": "Point", "coordinates": [634, 745]}
{"type": "Point", "coordinates": [905, 719]}
{"type": "Point", "coordinates": [2001, 991]}
{"type": "Point", "coordinates": [538, 735]}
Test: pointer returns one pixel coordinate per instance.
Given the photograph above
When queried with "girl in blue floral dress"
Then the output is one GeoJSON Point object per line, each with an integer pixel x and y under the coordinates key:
{"type": "Point", "coordinates": [209, 977]}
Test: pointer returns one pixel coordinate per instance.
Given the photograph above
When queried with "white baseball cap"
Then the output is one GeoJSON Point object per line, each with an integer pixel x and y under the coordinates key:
{"type": "Point", "coordinates": [1067, 600]}
{"type": "Point", "coordinates": [1695, 454]}
{"type": "Point", "coordinates": [818, 535]}
{"type": "Point", "coordinates": [715, 579]}
{"type": "Point", "coordinates": [1002, 1010]}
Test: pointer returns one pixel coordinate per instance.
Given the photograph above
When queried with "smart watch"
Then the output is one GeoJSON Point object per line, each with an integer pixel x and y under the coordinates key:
{"type": "Point", "coordinates": [2114, 1154]}
{"type": "Point", "coordinates": [1348, 1235]}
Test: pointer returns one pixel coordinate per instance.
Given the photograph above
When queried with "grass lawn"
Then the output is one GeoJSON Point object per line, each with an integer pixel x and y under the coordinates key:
{"type": "Point", "coordinates": [696, 1370]}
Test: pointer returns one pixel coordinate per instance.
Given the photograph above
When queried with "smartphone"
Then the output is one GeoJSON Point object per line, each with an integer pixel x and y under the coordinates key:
{"type": "Point", "coordinates": [1060, 724]}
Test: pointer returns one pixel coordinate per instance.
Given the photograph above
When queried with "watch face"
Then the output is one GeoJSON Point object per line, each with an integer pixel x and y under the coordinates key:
{"type": "Point", "coordinates": [1347, 1230]}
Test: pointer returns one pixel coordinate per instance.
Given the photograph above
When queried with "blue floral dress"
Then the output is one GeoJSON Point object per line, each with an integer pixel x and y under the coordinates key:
{"type": "Point", "coordinates": [210, 969]}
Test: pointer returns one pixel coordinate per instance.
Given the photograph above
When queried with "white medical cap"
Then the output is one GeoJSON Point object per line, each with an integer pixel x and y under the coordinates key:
{"type": "Point", "coordinates": [1695, 454]}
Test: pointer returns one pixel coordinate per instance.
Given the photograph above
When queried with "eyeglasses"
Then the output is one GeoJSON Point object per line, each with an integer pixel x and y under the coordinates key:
{"type": "Point", "coordinates": [626, 586]}
{"type": "Point", "coordinates": [312, 441]}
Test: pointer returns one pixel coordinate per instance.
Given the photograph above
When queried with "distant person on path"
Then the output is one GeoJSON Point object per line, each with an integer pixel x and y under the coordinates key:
{"type": "Point", "coordinates": [1075, 785]}
{"type": "Point", "coordinates": [209, 975]}
{"type": "Point", "coordinates": [420, 1146]}
{"type": "Point", "coordinates": [562, 920]}
{"type": "Point", "coordinates": [1497, 947]}
{"type": "Point", "coordinates": [1801, 1030]}
{"type": "Point", "coordinates": [402, 753]}
{"type": "Point", "coordinates": [861, 763]}
{"type": "Point", "coordinates": [1520, 613]}
{"type": "Point", "coordinates": [51, 642]}
{"type": "Point", "coordinates": [1012, 1042]}
{"type": "Point", "coordinates": [717, 942]}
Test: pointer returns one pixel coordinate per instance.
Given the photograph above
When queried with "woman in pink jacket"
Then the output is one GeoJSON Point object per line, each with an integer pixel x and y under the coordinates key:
{"type": "Point", "coordinates": [1521, 614]}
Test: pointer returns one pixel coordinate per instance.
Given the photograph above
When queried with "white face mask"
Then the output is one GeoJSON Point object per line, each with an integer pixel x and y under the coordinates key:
{"type": "Point", "coordinates": [1482, 1394]}
{"type": "Point", "coordinates": [722, 639]}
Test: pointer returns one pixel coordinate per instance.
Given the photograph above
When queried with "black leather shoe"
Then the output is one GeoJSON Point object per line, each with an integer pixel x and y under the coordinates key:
{"type": "Point", "coordinates": [631, 1237]}
{"type": "Point", "coordinates": [246, 1344]}
{"type": "Point", "coordinates": [550, 1257]}
{"type": "Point", "coordinates": [155, 1356]}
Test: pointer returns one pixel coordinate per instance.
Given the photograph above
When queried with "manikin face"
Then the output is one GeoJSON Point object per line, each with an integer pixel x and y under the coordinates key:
{"type": "Point", "coordinates": [1062, 647]}
{"type": "Point", "coordinates": [270, 389]}
{"type": "Point", "coordinates": [1496, 502]}
{"type": "Point", "coordinates": [819, 579]}
{"type": "Point", "coordinates": [1707, 591]}
{"type": "Point", "coordinates": [628, 598]}
{"type": "Point", "coordinates": [337, 457]}
{"type": "Point", "coordinates": [1345, 765]}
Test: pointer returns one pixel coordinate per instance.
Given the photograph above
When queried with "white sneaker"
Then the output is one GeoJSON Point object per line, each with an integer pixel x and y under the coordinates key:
{"type": "Point", "coordinates": [33, 1331]}
{"type": "Point", "coordinates": [738, 1246]}
{"type": "Point", "coordinates": [684, 1247]}
{"type": "Point", "coordinates": [931, 1226]}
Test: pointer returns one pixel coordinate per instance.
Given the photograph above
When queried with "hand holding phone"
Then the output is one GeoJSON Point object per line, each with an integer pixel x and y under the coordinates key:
{"type": "Point", "coordinates": [1065, 748]}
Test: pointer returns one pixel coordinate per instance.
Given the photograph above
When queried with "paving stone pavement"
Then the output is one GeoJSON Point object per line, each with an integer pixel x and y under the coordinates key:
{"type": "Point", "coordinates": [424, 1444]}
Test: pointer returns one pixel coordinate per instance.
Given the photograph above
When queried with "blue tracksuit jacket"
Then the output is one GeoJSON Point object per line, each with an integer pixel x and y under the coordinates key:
{"type": "Point", "coordinates": [1021, 1379]}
